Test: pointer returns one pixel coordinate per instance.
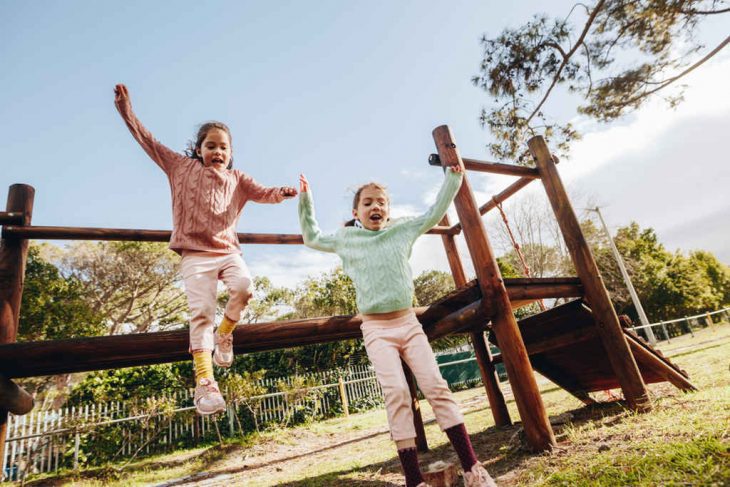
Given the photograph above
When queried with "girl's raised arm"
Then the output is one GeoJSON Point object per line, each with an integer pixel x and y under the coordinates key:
{"type": "Point", "coordinates": [162, 155]}
{"type": "Point", "coordinates": [451, 185]}
{"type": "Point", "coordinates": [310, 228]}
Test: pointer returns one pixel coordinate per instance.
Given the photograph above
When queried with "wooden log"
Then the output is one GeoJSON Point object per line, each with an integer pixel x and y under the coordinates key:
{"type": "Point", "coordinates": [13, 256]}
{"type": "Point", "coordinates": [527, 396]}
{"type": "Point", "coordinates": [14, 398]}
{"type": "Point", "coordinates": [490, 379]}
{"type": "Point", "coordinates": [123, 234]}
{"type": "Point", "coordinates": [11, 218]}
{"type": "Point", "coordinates": [653, 362]}
{"type": "Point", "coordinates": [500, 197]}
{"type": "Point", "coordinates": [441, 474]}
{"type": "Point", "coordinates": [31, 359]}
{"type": "Point", "coordinates": [619, 353]}
{"type": "Point", "coordinates": [421, 441]}
{"type": "Point", "coordinates": [490, 167]}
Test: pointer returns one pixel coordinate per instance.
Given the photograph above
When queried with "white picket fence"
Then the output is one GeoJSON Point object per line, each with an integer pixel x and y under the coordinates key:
{"type": "Point", "coordinates": [45, 441]}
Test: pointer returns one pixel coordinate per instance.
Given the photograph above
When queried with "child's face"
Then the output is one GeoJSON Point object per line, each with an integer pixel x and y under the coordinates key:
{"type": "Point", "coordinates": [373, 208]}
{"type": "Point", "coordinates": [216, 150]}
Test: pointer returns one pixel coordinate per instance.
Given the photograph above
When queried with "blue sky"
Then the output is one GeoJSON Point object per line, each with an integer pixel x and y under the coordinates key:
{"type": "Point", "coordinates": [345, 92]}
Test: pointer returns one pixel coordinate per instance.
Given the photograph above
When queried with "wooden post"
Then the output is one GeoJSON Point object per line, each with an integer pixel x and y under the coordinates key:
{"type": "Point", "coordinates": [609, 328]}
{"type": "Point", "coordinates": [484, 357]}
{"type": "Point", "coordinates": [13, 254]}
{"type": "Point", "coordinates": [537, 427]}
{"type": "Point", "coordinates": [343, 396]}
{"type": "Point", "coordinates": [421, 442]}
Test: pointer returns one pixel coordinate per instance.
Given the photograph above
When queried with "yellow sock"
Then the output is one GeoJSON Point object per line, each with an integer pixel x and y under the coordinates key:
{"type": "Point", "coordinates": [203, 365]}
{"type": "Point", "coordinates": [226, 326]}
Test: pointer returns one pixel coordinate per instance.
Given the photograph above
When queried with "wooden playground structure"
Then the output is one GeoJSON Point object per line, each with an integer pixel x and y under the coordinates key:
{"type": "Point", "coordinates": [581, 346]}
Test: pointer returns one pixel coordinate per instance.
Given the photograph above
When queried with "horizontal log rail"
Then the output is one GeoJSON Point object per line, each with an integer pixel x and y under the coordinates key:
{"type": "Point", "coordinates": [500, 197]}
{"type": "Point", "coordinates": [117, 351]}
{"type": "Point", "coordinates": [491, 167]}
{"type": "Point", "coordinates": [11, 218]}
{"type": "Point", "coordinates": [123, 234]}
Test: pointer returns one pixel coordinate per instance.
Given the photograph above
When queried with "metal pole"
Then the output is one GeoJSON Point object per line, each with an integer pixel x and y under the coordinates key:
{"type": "Point", "coordinates": [634, 297]}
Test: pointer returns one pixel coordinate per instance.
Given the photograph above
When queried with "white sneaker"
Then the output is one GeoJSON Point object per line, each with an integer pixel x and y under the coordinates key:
{"type": "Point", "coordinates": [208, 398]}
{"type": "Point", "coordinates": [223, 351]}
{"type": "Point", "coordinates": [423, 484]}
{"type": "Point", "coordinates": [478, 477]}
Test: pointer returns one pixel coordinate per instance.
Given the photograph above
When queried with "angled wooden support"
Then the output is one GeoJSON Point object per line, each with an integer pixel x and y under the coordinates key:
{"type": "Point", "coordinates": [619, 353]}
{"type": "Point", "coordinates": [537, 427]}
{"type": "Point", "coordinates": [13, 255]}
{"type": "Point", "coordinates": [497, 404]}
{"type": "Point", "coordinates": [14, 398]}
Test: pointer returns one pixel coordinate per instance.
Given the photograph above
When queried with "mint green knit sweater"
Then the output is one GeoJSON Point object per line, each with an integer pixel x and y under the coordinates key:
{"type": "Point", "coordinates": [377, 261]}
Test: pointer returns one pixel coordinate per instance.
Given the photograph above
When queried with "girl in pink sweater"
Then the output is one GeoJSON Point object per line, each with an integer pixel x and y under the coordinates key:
{"type": "Point", "coordinates": [207, 198]}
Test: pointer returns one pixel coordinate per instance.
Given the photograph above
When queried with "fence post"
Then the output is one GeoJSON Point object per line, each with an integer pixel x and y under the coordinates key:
{"type": "Point", "coordinates": [13, 256]}
{"type": "Point", "coordinates": [666, 333]}
{"type": "Point", "coordinates": [710, 323]}
{"type": "Point", "coordinates": [689, 326]}
{"type": "Point", "coordinates": [343, 396]}
{"type": "Point", "coordinates": [77, 445]}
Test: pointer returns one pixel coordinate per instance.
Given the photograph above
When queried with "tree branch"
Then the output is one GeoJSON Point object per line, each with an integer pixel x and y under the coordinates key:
{"type": "Point", "coordinates": [582, 36]}
{"type": "Point", "coordinates": [680, 75]}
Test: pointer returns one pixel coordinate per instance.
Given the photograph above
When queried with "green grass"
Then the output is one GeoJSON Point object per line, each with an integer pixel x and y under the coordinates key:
{"type": "Point", "coordinates": [682, 441]}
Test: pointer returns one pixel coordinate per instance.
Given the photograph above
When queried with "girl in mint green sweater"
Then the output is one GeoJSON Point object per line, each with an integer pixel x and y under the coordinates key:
{"type": "Point", "coordinates": [374, 250]}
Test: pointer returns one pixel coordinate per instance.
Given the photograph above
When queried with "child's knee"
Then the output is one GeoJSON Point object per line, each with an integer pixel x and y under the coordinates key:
{"type": "Point", "coordinates": [397, 394]}
{"type": "Point", "coordinates": [241, 290]}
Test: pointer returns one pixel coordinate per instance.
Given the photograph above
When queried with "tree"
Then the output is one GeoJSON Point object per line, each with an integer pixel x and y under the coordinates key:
{"type": "Point", "coordinates": [53, 306]}
{"type": "Point", "coordinates": [431, 286]}
{"type": "Point", "coordinates": [615, 55]}
{"type": "Point", "coordinates": [133, 285]}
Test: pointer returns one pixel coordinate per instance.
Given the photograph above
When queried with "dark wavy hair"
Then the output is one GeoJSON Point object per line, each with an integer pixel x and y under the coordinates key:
{"type": "Point", "coordinates": [356, 199]}
{"type": "Point", "coordinates": [192, 150]}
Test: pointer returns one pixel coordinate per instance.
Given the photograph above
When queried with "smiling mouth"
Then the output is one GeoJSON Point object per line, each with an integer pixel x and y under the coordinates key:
{"type": "Point", "coordinates": [217, 161]}
{"type": "Point", "coordinates": [376, 218]}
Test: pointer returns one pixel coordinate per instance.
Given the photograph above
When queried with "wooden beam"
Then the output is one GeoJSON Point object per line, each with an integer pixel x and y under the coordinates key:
{"type": "Point", "coordinates": [14, 398]}
{"type": "Point", "coordinates": [661, 368]}
{"type": "Point", "coordinates": [490, 167]}
{"type": "Point", "coordinates": [31, 359]}
{"type": "Point", "coordinates": [13, 257]}
{"type": "Point", "coordinates": [617, 348]}
{"type": "Point", "coordinates": [522, 380]}
{"type": "Point", "coordinates": [122, 234]}
{"type": "Point", "coordinates": [490, 379]}
{"type": "Point", "coordinates": [11, 218]}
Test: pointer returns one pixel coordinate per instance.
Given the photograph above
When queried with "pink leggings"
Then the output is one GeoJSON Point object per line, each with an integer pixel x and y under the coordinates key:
{"type": "Point", "coordinates": [201, 272]}
{"type": "Point", "coordinates": [386, 341]}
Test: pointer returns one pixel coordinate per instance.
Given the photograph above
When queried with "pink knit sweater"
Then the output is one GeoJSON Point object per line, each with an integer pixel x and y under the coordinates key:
{"type": "Point", "coordinates": [206, 203]}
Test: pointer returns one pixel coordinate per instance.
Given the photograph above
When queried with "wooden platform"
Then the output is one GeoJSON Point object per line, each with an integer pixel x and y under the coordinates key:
{"type": "Point", "coordinates": [564, 346]}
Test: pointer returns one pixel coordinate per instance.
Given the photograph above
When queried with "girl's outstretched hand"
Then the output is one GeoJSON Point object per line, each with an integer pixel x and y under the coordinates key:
{"type": "Point", "coordinates": [121, 97]}
{"type": "Point", "coordinates": [303, 183]}
{"type": "Point", "coordinates": [288, 191]}
{"type": "Point", "coordinates": [458, 168]}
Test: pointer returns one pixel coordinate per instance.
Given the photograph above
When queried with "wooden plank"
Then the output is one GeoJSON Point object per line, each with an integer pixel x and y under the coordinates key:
{"type": "Point", "coordinates": [11, 218]}
{"type": "Point", "coordinates": [535, 421]}
{"type": "Point", "coordinates": [490, 167]}
{"type": "Point", "coordinates": [619, 353]}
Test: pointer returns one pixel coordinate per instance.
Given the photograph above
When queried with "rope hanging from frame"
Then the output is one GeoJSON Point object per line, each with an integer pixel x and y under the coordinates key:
{"type": "Point", "coordinates": [518, 249]}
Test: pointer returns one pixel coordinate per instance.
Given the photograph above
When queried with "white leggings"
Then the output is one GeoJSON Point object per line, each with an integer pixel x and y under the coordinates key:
{"type": "Point", "coordinates": [201, 272]}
